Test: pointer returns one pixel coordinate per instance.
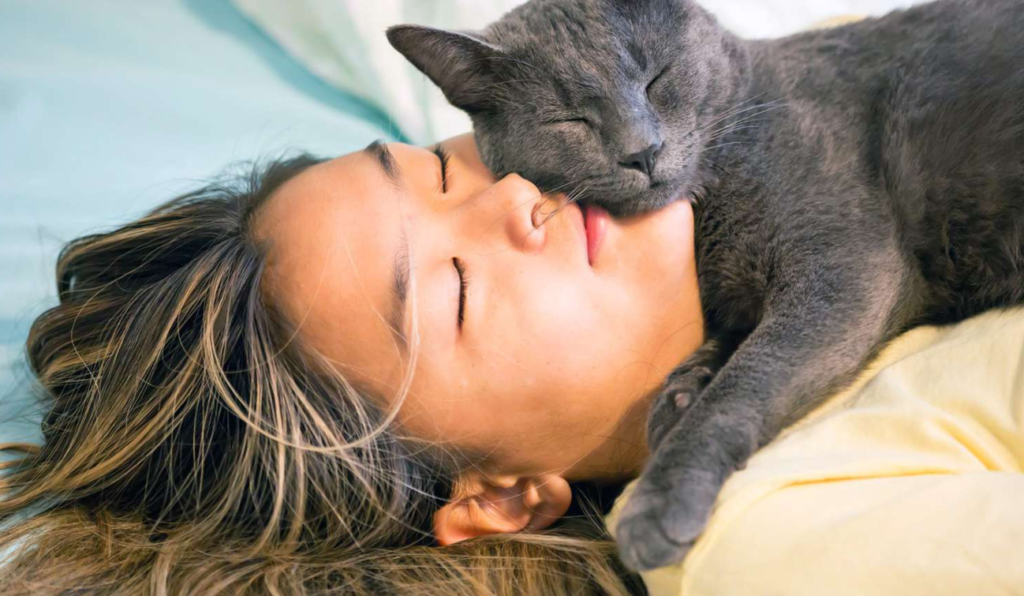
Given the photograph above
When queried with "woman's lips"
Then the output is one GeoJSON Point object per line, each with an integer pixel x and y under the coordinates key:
{"type": "Point", "coordinates": [595, 221]}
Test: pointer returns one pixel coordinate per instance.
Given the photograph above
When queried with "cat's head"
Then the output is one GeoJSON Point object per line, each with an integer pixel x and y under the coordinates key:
{"type": "Point", "coordinates": [603, 98]}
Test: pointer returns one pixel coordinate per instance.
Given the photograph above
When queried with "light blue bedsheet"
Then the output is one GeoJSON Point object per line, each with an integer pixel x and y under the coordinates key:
{"type": "Point", "coordinates": [108, 107]}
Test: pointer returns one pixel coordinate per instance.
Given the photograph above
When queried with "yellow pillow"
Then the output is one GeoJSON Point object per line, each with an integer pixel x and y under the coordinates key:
{"type": "Point", "coordinates": [908, 483]}
{"type": "Point", "coordinates": [836, 21]}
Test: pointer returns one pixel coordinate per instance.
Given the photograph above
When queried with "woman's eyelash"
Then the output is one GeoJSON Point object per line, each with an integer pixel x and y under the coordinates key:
{"type": "Point", "coordinates": [463, 284]}
{"type": "Point", "coordinates": [444, 155]}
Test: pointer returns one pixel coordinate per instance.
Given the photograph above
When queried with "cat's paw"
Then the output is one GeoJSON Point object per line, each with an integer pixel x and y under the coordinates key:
{"type": "Point", "coordinates": [682, 389]}
{"type": "Point", "coordinates": [663, 518]}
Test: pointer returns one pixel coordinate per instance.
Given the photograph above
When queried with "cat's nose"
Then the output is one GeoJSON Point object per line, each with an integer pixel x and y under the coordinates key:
{"type": "Point", "coordinates": [643, 160]}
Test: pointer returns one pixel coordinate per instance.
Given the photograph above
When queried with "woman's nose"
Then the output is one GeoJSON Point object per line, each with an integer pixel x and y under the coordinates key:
{"type": "Point", "coordinates": [519, 212]}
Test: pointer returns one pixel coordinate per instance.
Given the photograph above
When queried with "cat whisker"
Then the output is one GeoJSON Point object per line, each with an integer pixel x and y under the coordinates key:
{"type": "Point", "coordinates": [559, 188]}
{"type": "Point", "coordinates": [734, 112]}
{"type": "Point", "coordinates": [571, 197]}
{"type": "Point", "coordinates": [728, 130]}
{"type": "Point", "coordinates": [765, 108]}
{"type": "Point", "coordinates": [746, 123]}
{"type": "Point", "coordinates": [750, 117]}
{"type": "Point", "coordinates": [720, 145]}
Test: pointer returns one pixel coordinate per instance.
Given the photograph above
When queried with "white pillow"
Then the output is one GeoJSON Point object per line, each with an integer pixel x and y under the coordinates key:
{"type": "Point", "coordinates": [343, 42]}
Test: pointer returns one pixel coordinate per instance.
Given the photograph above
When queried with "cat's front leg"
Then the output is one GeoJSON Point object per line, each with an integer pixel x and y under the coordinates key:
{"type": "Point", "coordinates": [684, 385]}
{"type": "Point", "coordinates": [673, 499]}
{"type": "Point", "coordinates": [811, 341]}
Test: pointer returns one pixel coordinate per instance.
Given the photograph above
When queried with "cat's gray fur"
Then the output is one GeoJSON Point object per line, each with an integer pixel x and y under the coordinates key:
{"type": "Point", "coordinates": [849, 184]}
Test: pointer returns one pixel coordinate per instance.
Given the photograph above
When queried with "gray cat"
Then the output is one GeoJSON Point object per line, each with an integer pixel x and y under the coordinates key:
{"type": "Point", "coordinates": [848, 184]}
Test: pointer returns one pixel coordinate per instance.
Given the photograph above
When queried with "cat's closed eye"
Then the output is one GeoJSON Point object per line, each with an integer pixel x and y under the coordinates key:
{"type": "Point", "coordinates": [576, 120]}
{"type": "Point", "coordinates": [655, 80]}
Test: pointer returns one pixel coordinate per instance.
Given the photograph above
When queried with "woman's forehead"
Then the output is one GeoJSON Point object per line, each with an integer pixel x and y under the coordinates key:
{"type": "Point", "coordinates": [330, 234]}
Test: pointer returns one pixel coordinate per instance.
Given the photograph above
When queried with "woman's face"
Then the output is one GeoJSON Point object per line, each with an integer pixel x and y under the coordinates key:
{"type": "Point", "coordinates": [553, 365]}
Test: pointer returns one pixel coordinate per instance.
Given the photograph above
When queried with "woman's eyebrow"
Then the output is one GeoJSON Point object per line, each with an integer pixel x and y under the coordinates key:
{"type": "Point", "coordinates": [400, 293]}
{"type": "Point", "coordinates": [382, 155]}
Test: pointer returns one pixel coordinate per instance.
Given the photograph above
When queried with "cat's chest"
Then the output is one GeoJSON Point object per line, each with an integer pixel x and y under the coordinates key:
{"type": "Point", "coordinates": [736, 260]}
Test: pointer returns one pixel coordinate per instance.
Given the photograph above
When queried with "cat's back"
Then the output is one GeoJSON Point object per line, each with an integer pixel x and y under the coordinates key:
{"type": "Point", "coordinates": [947, 39]}
{"type": "Point", "coordinates": [927, 107]}
{"type": "Point", "coordinates": [940, 84]}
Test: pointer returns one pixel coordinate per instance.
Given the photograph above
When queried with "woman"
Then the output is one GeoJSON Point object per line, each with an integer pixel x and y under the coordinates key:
{"type": "Point", "coordinates": [302, 385]}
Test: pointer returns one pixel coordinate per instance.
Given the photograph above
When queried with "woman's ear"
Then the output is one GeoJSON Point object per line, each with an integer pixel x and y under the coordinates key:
{"type": "Point", "coordinates": [502, 505]}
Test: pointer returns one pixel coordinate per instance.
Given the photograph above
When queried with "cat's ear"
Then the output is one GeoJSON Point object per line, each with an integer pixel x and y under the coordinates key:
{"type": "Point", "coordinates": [461, 64]}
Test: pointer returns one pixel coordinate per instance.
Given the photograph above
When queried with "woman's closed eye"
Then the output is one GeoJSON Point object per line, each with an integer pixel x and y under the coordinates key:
{"type": "Point", "coordinates": [443, 155]}
{"type": "Point", "coordinates": [463, 285]}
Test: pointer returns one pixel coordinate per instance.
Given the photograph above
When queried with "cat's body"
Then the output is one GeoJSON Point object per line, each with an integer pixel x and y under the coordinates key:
{"type": "Point", "coordinates": [864, 180]}
{"type": "Point", "coordinates": [910, 138]}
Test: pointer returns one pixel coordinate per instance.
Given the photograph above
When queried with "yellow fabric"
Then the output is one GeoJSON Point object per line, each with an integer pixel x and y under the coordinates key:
{"type": "Point", "coordinates": [908, 483]}
{"type": "Point", "coordinates": [837, 21]}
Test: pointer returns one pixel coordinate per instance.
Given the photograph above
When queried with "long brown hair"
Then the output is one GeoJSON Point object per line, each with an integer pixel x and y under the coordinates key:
{"type": "Point", "coordinates": [194, 445]}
